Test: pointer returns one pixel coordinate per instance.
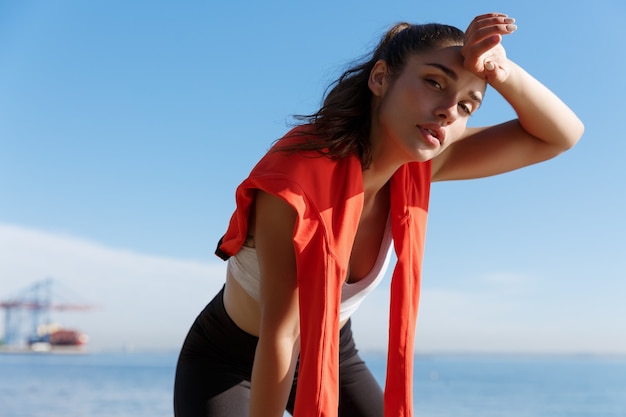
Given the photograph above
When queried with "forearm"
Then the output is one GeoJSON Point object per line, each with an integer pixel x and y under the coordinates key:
{"type": "Point", "coordinates": [279, 343]}
{"type": "Point", "coordinates": [540, 112]}
{"type": "Point", "coordinates": [272, 376]}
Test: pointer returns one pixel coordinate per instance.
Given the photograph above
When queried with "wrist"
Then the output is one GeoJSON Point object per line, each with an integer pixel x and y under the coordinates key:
{"type": "Point", "coordinates": [508, 79]}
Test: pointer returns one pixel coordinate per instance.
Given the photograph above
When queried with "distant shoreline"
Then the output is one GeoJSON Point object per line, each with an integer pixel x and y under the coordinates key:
{"type": "Point", "coordinates": [57, 350]}
{"type": "Point", "coordinates": [71, 350]}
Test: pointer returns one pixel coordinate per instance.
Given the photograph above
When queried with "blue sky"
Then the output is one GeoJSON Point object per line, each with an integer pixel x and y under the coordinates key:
{"type": "Point", "coordinates": [126, 126]}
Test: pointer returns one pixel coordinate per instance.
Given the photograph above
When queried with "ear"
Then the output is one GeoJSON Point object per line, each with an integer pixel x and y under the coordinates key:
{"type": "Point", "coordinates": [377, 81]}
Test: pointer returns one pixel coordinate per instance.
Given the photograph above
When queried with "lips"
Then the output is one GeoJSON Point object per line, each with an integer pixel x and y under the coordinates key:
{"type": "Point", "coordinates": [433, 133]}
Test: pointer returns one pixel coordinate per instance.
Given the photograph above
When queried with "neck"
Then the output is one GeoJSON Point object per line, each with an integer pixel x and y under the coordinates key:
{"type": "Point", "coordinates": [375, 182]}
{"type": "Point", "coordinates": [381, 168]}
{"type": "Point", "coordinates": [385, 160]}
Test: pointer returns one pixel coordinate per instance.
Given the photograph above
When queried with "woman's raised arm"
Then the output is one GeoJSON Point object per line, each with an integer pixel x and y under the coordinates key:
{"type": "Point", "coordinates": [545, 125]}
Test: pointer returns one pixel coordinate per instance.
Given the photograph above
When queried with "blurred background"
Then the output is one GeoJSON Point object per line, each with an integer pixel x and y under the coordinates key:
{"type": "Point", "coordinates": [126, 126]}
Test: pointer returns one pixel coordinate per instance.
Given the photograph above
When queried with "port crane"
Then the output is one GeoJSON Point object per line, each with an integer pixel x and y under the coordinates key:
{"type": "Point", "coordinates": [26, 313]}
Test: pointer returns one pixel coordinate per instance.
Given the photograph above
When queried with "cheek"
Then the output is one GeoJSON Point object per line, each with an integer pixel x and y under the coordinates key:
{"type": "Point", "coordinates": [391, 111]}
{"type": "Point", "coordinates": [456, 130]}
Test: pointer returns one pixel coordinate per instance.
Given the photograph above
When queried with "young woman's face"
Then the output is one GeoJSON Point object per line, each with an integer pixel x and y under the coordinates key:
{"type": "Point", "coordinates": [426, 108]}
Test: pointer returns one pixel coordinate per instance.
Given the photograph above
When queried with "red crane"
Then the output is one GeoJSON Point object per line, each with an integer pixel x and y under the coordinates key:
{"type": "Point", "coordinates": [34, 305]}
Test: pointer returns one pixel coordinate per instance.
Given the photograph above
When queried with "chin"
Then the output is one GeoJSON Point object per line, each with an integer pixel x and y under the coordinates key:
{"type": "Point", "coordinates": [422, 155]}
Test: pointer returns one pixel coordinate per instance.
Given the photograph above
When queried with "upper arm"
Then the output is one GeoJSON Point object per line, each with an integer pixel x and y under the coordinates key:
{"type": "Point", "coordinates": [276, 354]}
{"type": "Point", "coordinates": [274, 221]}
{"type": "Point", "coordinates": [490, 151]}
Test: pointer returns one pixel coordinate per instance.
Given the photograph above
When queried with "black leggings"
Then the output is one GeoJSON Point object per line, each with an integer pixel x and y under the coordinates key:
{"type": "Point", "coordinates": [215, 365]}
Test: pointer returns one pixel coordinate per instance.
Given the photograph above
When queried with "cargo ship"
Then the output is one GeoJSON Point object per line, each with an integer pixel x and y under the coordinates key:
{"type": "Point", "coordinates": [54, 337]}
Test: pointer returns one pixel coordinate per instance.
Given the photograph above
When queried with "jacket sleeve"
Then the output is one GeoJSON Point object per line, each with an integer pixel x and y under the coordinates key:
{"type": "Point", "coordinates": [410, 190]}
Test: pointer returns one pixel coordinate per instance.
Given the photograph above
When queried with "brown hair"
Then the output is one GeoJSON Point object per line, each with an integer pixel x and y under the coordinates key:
{"type": "Point", "coordinates": [342, 124]}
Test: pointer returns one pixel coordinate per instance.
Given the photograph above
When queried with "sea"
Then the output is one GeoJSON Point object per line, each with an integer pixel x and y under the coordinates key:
{"type": "Point", "coordinates": [446, 385]}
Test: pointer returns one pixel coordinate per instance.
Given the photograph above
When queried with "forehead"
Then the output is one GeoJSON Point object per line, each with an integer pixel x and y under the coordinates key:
{"type": "Point", "coordinates": [449, 57]}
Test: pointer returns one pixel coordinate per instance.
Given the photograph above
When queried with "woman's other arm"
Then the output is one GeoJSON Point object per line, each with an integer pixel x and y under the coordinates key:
{"type": "Point", "coordinates": [278, 348]}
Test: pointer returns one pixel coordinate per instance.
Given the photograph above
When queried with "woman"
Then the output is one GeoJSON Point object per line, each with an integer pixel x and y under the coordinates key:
{"type": "Point", "coordinates": [317, 218]}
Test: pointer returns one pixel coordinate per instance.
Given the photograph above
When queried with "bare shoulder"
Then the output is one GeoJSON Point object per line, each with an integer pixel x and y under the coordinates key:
{"type": "Point", "coordinates": [272, 214]}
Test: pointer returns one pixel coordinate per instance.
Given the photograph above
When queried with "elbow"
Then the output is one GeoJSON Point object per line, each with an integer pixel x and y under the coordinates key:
{"type": "Point", "coordinates": [573, 134]}
{"type": "Point", "coordinates": [562, 141]}
{"type": "Point", "coordinates": [579, 130]}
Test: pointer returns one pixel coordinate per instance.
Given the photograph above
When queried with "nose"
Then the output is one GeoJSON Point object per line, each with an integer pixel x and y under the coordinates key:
{"type": "Point", "coordinates": [447, 113]}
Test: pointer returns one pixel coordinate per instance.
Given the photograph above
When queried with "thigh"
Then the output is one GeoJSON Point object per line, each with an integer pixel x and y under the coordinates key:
{"type": "Point", "coordinates": [214, 366]}
{"type": "Point", "coordinates": [199, 391]}
{"type": "Point", "coordinates": [360, 395]}
{"type": "Point", "coordinates": [359, 392]}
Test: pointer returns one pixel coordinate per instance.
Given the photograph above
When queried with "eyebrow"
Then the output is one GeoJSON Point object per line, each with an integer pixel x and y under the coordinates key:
{"type": "Point", "coordinates": [448, 71]}
{"type": "Point", "coordinates": [476, 98]}
{"type": "Point", "coordinates": [452, 74]}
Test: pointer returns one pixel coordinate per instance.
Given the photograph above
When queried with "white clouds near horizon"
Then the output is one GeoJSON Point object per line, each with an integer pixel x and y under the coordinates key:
{"type": "Point", "coordinates": [148, 302]}
{"type": "Point", "coordinates": [141, 301]}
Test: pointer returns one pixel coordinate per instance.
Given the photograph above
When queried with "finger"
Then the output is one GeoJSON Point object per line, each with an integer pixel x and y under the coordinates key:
{"type": "Point", "coordinates": [479, 48]}
{"type": "Point", "coordinates": [493, 28]}
{"type": "Point", "coordinates": [484, 21]}
{"type": "Point", "coordinates": [495, 21]}
{"type": "Point", "coordinates": [488, 15]}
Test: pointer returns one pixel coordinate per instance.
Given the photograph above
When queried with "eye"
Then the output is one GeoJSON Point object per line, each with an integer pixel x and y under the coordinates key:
{"type": "Point", "coordinates": [466, 109]}
{"type": "Point", "coordinates": [434, 83]}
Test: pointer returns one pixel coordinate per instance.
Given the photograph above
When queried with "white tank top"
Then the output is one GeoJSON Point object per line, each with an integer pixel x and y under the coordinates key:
{"type": "Point", "coordinates": [244, 267]}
